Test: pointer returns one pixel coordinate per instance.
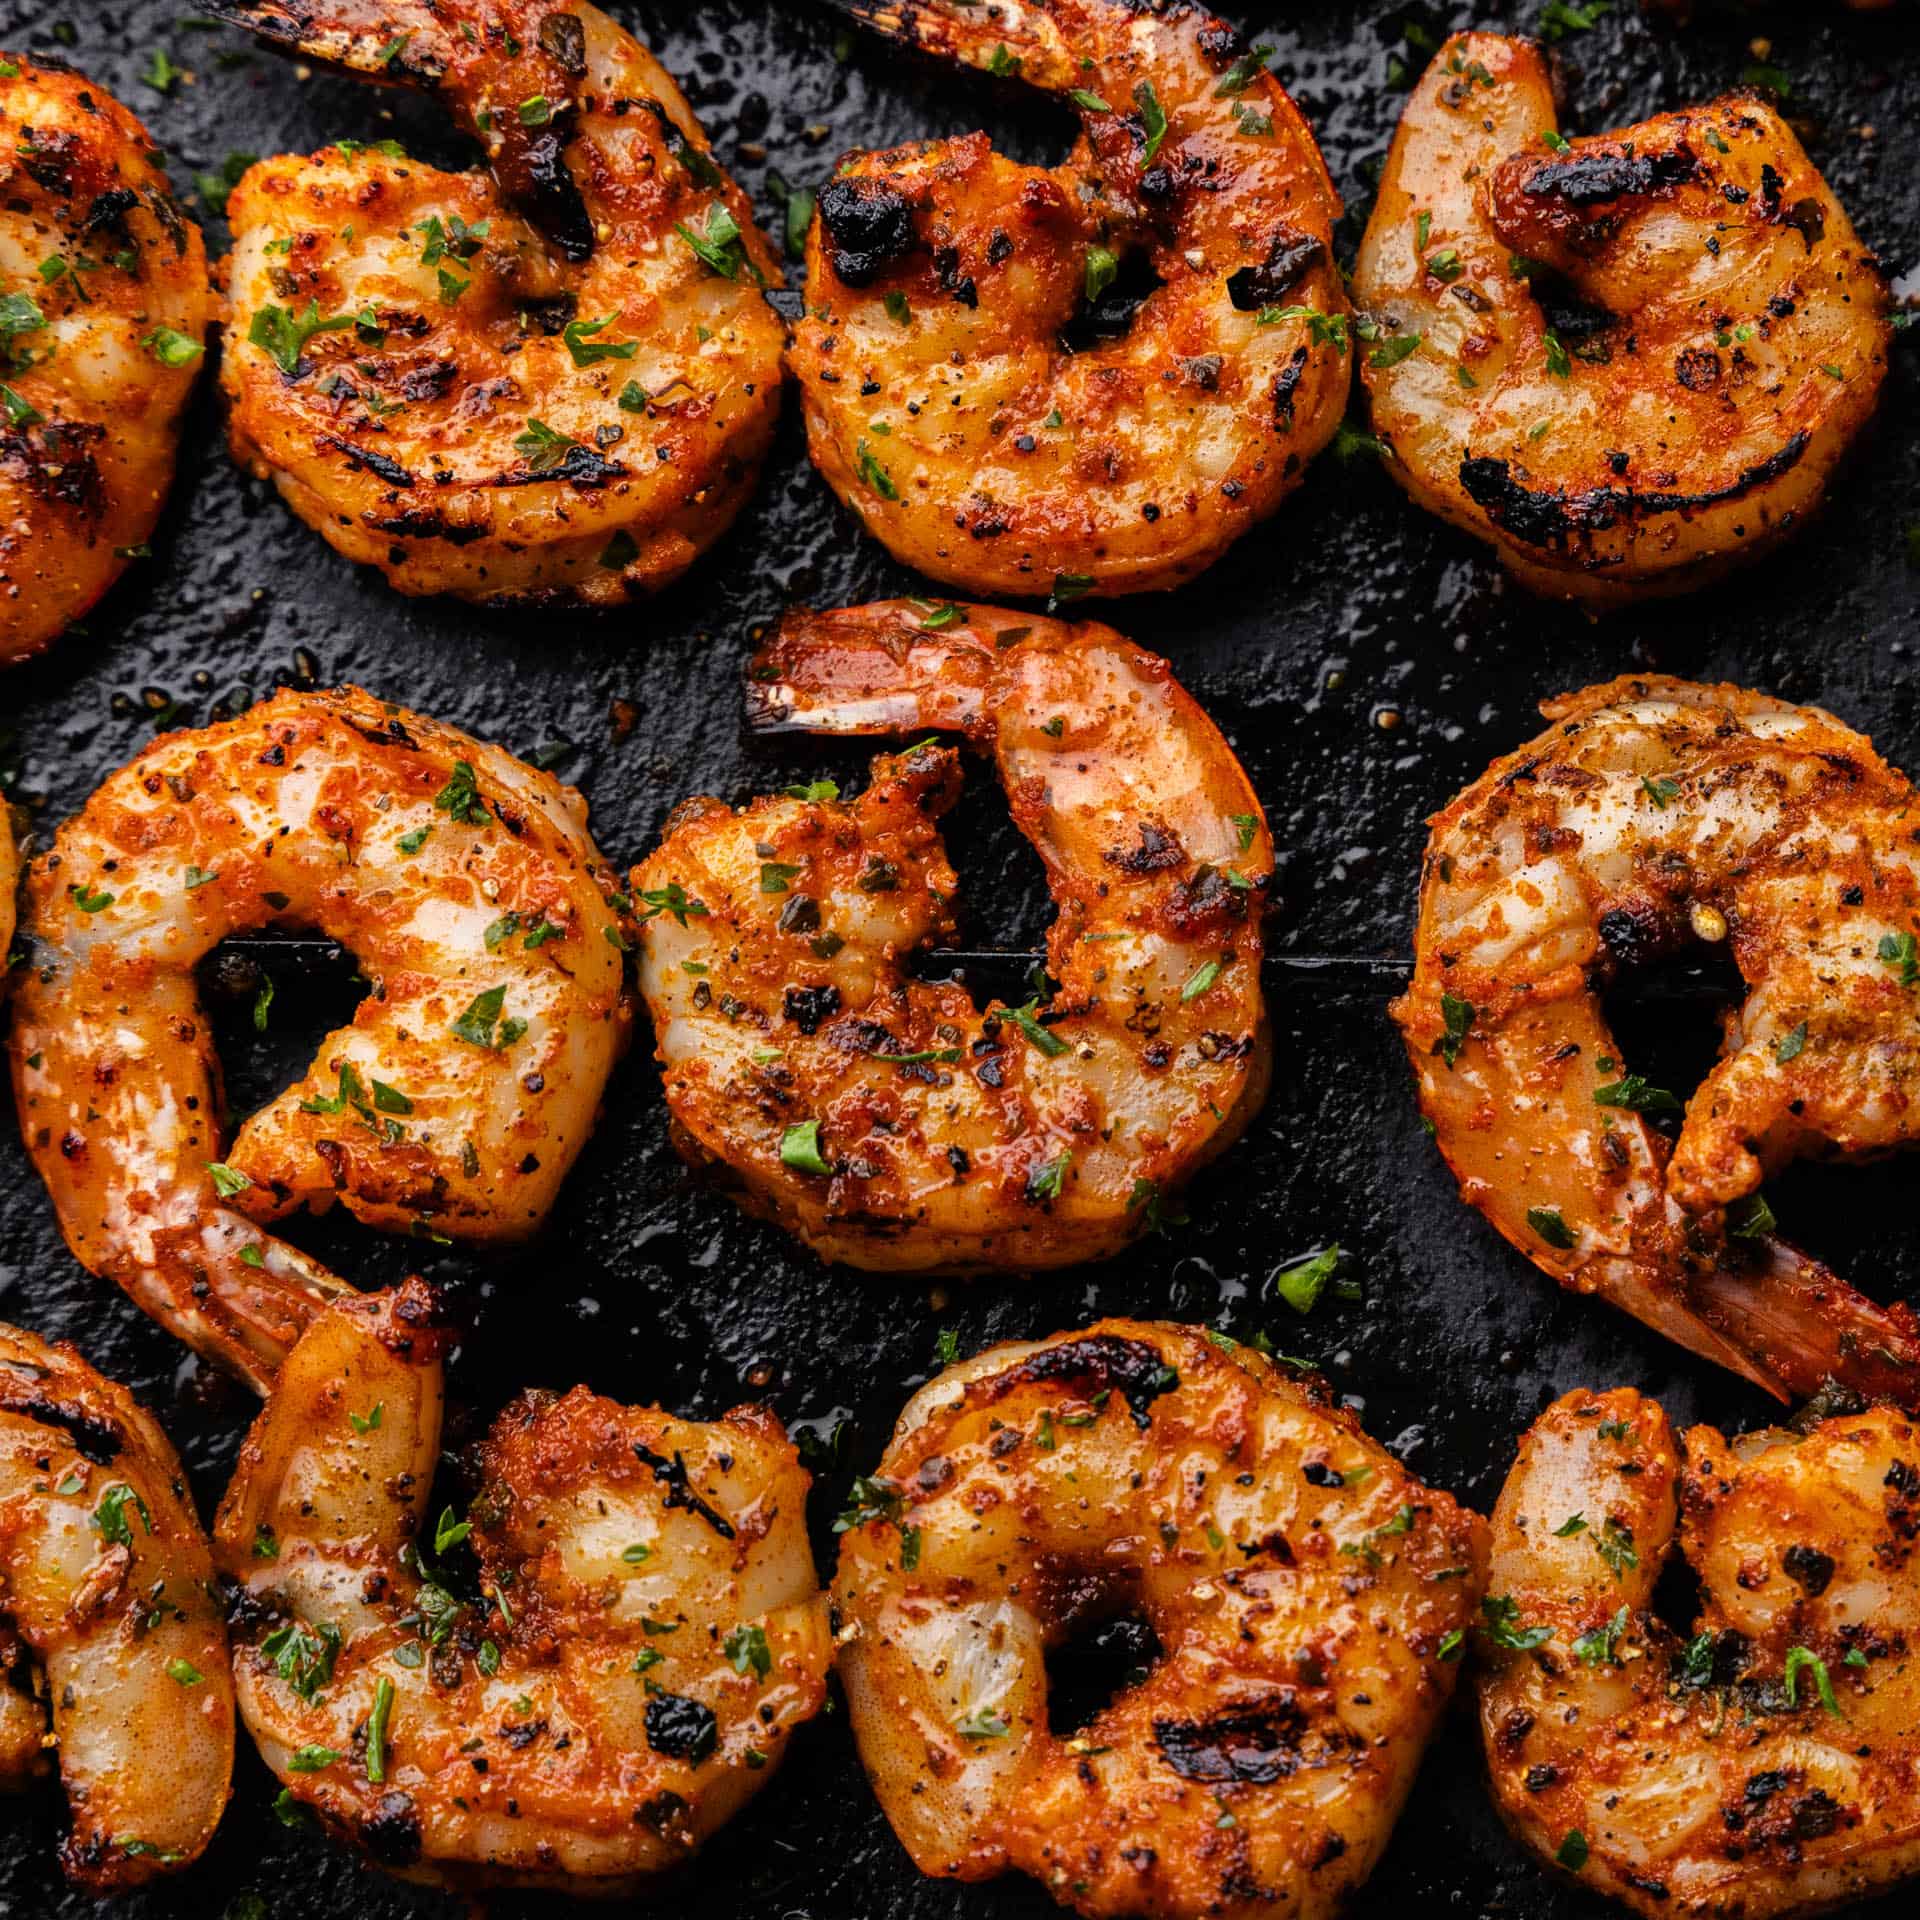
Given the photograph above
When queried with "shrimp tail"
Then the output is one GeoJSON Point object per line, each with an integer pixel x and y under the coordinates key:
{"type": "Point", "coordinates": [398, 42]}
{"type": "Point", "coordinates": [1798, 1324]}
{"type": "Point", "coordinates": [1029, 45]}
{"type": "Point", "coordinates": [886, 668]}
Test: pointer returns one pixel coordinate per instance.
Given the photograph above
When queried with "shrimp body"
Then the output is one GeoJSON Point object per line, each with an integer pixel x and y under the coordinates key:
{"type": "Point", "coordinates": [108, 1585]}
{"type": "Point", "coordinates": [1627, 361]}
{"type": "Point", "coordinates": [1653, 813]}
{"type": "Point", "coordinates": [648, 1635]}
{"type": "Point", "coordinates": [104, 304]}
{"type": "Point", "coordinates": [888, 1121]}
{"type": "Point", "coordinates": [1768, 1764]}
{"type": "Point", "coordinates": [468, 889]}
{"type": "Point", "coordinates": [941, 404]}
{"type": "Point", "coordinates": [1301, 1590]}
{"type": "Point", "coordinates": [523, 384]}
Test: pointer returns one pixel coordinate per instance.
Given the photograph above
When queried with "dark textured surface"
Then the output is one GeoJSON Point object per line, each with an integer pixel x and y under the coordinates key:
{"type": "Point", "coordinates": [1365, 661]}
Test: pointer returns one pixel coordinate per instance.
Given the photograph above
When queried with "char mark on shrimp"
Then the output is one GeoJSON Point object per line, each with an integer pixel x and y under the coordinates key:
{"type": "Point", "coordinates": [1545, 518]}
{"type": "Point", "coordinates": [1290, 257]}
{"type": "Point", "coordinates": [95, 1437]}
{"type": "Point", "coordinates": [387, 468]}
{"type": "Point", "coordinates": [870, 225]}
{"type": "Point", "coordinates": [1592, 179]}
{"type": "Point", "coordinates": [1251, 1746]}
{"type": "Point", "coordinates": [1101, 1363]}
{"type": "Point", "coordinates": [672, 1474]}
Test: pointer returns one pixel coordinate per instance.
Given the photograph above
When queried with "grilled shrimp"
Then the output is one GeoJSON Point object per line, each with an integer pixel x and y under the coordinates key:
{"type": "Point", "coordinates": [467, 887]}
{"type": "Point", "coordinates": [109, 1584]}
{"type": "Point", "coordinates": [1303, 1595]}
{"type": "Point", "coordinates": [1626, 361]}
{"type": "Point", "coordinates": [1655, 812]}
{"type": "Point", "coordinates": [890, 1122]}
{"type": "Point", "coordinates": [103, 320]}
{"type": "Point", "coordinates": [556, 381]}
{"type": "Point", "coordinates": [1771, 1763]}
{"type": "Point", "coordinates": [649, 1632]}
{"type": "Point", "coordinates": [942, 405]}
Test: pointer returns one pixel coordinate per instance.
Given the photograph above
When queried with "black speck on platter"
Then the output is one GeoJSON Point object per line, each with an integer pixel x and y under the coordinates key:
{"type": "Point", "coordinates": [1364, 660]}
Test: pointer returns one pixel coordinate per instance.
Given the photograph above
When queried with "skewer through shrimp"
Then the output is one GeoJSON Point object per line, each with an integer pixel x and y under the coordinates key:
{"type": "Point", "coordinates": [556, 381]}
{"type": "Point", "coordinates": [467, 887]}
{"type": "Point", "coordinates": [941, 403]}
{"type": "Point", "coordinates": [888, 1121]}
{"type": "Point", "coordinates": [108, 1582]}
{"type": "Point", "coordinates": [1627, 361]}
{"type": "Point", "coordinates": [104, 304]}
{"type": "Point", "coordinates": [648, 1637]}
{"type": "Point", "coordinates": [1656, 812]}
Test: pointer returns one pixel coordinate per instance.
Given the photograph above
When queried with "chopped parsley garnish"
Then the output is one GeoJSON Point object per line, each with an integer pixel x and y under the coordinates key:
{"type": "Point", "coordinates": [1456, 1016]}
{"type": "Point", "coordinates": [536, 110]}
{"type": "Point", "coordinates": [460, 798]}
{"type": "Point", "coordinates": [1558, 364]}
{"type": "Point", "coordinates": [1901, 952]}
{"type": "Point", "coordinates": [867, 465]}
{"type": "Point", "coordinates": [674, 899]}
{"type": "Point", "coordinates": [1152, 118]}
{"type": "Point", "coordinates": [1634, 1093]}
{"type": "Point", "coordinates": [1395, 348]}
{"type": "Point", "coordinates": [1572, 1853]}
{"type": "Point", "coordinates": [1662, 791]}
{"type": "Point", "coordinates": [284, 334]}
{"type": "Point", "coordinates": [1804, 1660]}
{"type": "Point", "coordinates": [304, 1657]}
{"type": "Point", "coordinates": [1614, 1544]}
{"type": "Point", "coordinates": [588, 351]}
{"type": "Point", "coordinates": [800, 1148]}
{"type": "Point", "coordinates": [1045, 1180]}
{"type": "Point", "coordinates": [1790, 1046]}
{"type": "Point", "coordinates": [227, 1181]}
{"type": "Point", "coordinates": [171, 347]}
{"type": "Point", "coordinates": [1069, 586]}
{"type": "Point", "coordinates": [482, 1026]}
{"type": "Point", "coordinates": [1027, 1020]}
{"type": "Point", "coordinates": [1751, 1218]}
{"type": "Point", "coordinates": [1199, 981]}
{"type": "Point", "coordinates": [1547, 1223]}
{"type": "Point", "coordinates": [1240, 75]}
{"type": "Point", "coordinates": [1500, 1622]}
{"type": "Point", "coordinates": [541, 447]}
{"type": "Point", "coordinates": [110, 1516]}
{"type": "Point", "coordinates": [1599, 1646]}
{"type": "Point", "coordinates": [747, 1650]}
{"type": "Point", "coordinates": [88, 899]}
{"type": "Point", "coordinates": [1301, 1283]}
{"type": "Point", "coordinates": [379, 1722]}
{"type": "Point", "coordinates": [718, 247]}
{"type": "Point", "coordinates": [985, 1724]}
{"type": "Point", "coordinates": [868, 1499]}
{"type": "Point", "coordinates": [1087, 102]}
{"type": "Point", "coordinates": [1103, 268]}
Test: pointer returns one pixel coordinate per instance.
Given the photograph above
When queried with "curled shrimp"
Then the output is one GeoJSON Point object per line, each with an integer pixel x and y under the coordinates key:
{"type": "Point", "coordinates": [468, 889]}
{"type": "Point", "coordinates": [1626, 361]}
{"type": "Point", "coordinates": [649, 1633]}
{"type": "Point", "coordinates": [109, 1586]}
{"type": "Point", "coordinates": [1302, 1592]}
{"type": "Point", "coordinates": [1653, 813]}
{"type": "Point", "coordinates": [556, 381]}
{"type": "Point", "coordinates": [887, 1121]}
{"type": "Point", "coordinates": [103, 327]}
{"type": "Point", "coordinates": [942, 405]}
{"type": "Point", "coordinates": [1766, 1765]}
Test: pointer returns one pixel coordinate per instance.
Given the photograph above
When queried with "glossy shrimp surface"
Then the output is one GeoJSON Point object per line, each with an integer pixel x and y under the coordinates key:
{"type": "Point", "coordinates": [1303, 1594]}
{"type": "Point", "coordinates": [552, 380]}
{"type": "Point", "coordinates": [647, 1633]}
{"type": "Point", "coordinates": [890, 1122]}
{"type": "Point", "coordinates": [1768, 1764]}
{"type": "Point", "coordinates": [468, 889]}
{"type": "Point", "coordinates": [108, 1587]}
{"type": "Point", "coordinates": [104, 304]}
{"type": "Point", "coordinates": [942, 405]}
{"type": "Point", "coordinates": [1627, 361]}
{"type": "Point", "coordinates": [1654, 814]}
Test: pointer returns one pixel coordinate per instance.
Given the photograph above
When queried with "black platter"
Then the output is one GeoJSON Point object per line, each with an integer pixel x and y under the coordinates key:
{"type": "Point", "coordinates": [1365, 661]}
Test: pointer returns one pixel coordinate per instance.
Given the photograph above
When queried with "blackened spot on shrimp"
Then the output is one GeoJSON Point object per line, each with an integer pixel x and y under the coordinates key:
{"type": "Point", "coordinates": [94, 1438]}
{"type": "Point", "coordinates": [580, 465]}
{"type": "Point", "coordinates": [533, 168]}
{"type": "Point", "coordinates": [381, 465]}
{"type": "Point", "coordinates": [1100, 1363]}
{"type": "Point", "coordinates": [1697, 369]}
{"type": "Point", "coordinates": [1209, 899]}
{"type": "Point", "coordinates": [1283, 390]}
{"type": "Point", "coordinates": [549, 316]}
{"type": "Point", "coordinates": [391, 1832]}
{"type": "Point", "coordinates": [423, 523]}
{"type": "Point", "coordinates": [1221, 43]}
{"type": "Point", "coordinates": [672, 1474]}
{"type": "Point", "coordinates": [172, 221]}
{"type": "Point", "coordinates": [806, 1007]}
{"type": "Point", "coordinates": [1546, 518]}
{"type": "Point", "coordinates": [1808, 218]}
{"type": "Point", "coordinates": [665, 1813]}
{"type": "Point", "coordinates": [1809, 1569]}
{"type": "Point", "coordinates": [1290, 256]}
{"type": "Point", "coordinates": [563, 36]}
{"type": "Point", "coordinates": [1254, 1746]}
{"type": "Point", "coordinates": [680, 1728]}
{"type": "Point", "coordinates": [49, 159]}
{"type": "Point", "coordinates": [1157, 850]}
{"type": "Point", "coordinates": [946, 263]}
{"type": "Point", "coordinates": [58, 466]}
{"type": "Point", "coordinates": [428, 382]}
{"type": "Point", "coordinates": [110, 209]}
{"type": "Point", "coordinates": [1591, 179]}
{"type": "Point", "coordinates": [1631, 939]}
{"type": "Point", "coordinates": [801, 914]}
{"type": "Point", "coordinates": [1770, 185]}
{"type": "Point", "coordinates": [870, 225]}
